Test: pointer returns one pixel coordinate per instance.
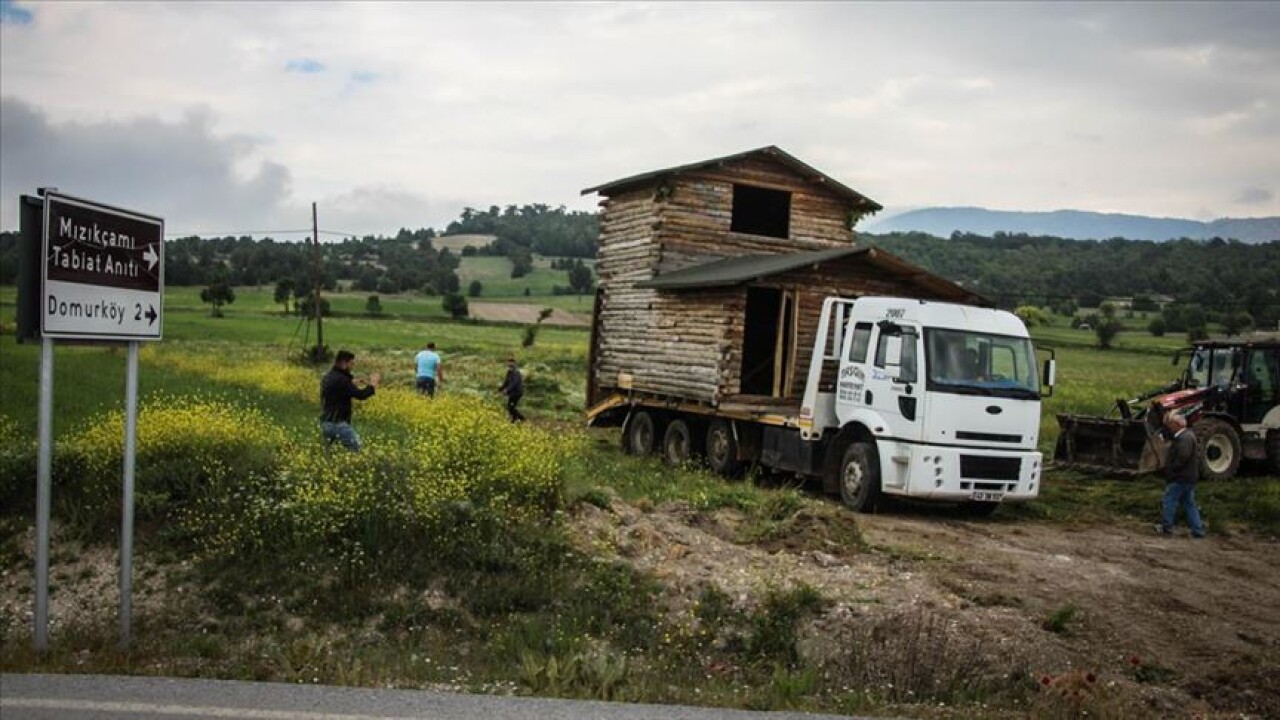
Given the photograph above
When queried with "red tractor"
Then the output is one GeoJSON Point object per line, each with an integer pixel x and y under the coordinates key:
{"type": "Point", "coordinates": [1230, 395]}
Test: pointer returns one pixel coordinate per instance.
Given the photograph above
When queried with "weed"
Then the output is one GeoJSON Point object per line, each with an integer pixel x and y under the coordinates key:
{"type": "Point", "coordinates": [1059, 621]}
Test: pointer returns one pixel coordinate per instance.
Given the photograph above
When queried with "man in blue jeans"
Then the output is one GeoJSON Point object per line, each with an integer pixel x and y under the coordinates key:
{"type": "Point", "coordinates": [337, 388]}
{"type": "Point", "coordinates": [1182, 470]}
{"type": "Point", "coordinates": [430, 374]}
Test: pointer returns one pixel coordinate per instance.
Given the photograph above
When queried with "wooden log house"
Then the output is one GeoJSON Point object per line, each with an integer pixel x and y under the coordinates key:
{"type": "Point", "coordinates": [712, 277]}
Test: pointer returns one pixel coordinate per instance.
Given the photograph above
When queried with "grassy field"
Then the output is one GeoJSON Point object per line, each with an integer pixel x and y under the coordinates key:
{"type": "Point", "coordinates": [494, 274]}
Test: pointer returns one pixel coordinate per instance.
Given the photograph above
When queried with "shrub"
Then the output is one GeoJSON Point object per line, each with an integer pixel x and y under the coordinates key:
{"type": "Point", "coordinates": [17, 466]}
{"type": "Point", "coordinates": [457, 480]}
{"type": "Point", "coordinates": [373, 305]}
{"type": "Point", "coordinates": [455, 305]}
{"type": "Point", "coordinates": [187, 447]}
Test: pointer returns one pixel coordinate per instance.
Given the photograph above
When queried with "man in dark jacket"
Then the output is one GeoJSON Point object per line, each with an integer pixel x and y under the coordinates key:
{"type": "Point", "coordinates": [513, 388]}
{"type": "Point", "coordinates": [1182, 470]}
{"type": "Point", "coordinates": [337, 388]}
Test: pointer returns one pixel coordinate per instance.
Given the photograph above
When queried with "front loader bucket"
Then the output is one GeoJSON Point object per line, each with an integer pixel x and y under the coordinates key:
{"type": "Point", "coordinates": [1112, 446]}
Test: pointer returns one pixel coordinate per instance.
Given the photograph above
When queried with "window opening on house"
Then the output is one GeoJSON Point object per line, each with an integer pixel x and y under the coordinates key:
{"type": "Point", "coordinates": [761, 211]}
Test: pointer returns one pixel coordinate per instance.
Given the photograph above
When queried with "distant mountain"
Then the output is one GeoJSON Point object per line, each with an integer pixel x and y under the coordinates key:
{"type": "Point", "coordinates": [1075, 224]}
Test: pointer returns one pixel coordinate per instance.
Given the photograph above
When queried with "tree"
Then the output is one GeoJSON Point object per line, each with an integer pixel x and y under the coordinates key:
{"type": "Point", "coordinates": [1107, 326]}
{"type": "Point", "coordinates": [1089, 299]}
{"type": "Point", "coordinates": [1031, 315]}
{"type": "Point", "coordinates": [475, 288]}
{"type": "Point", "coordinates": [1234, 322]}
{"type": "Point", "coordinates": [1156, 327]}
{"type": "Point", "coordinates": [218, 293]}
{"type": "Point", "coordinates": [521, 264]}
{"type": "Point", "coordinates": [284, 289]}
{"type": "Point", "coordinates": [580, 277]}
{"type": "Point", "coordinates": [455, 305]}
{"type": "Point", "coordinates": [1144, 303]}
{"type": "Point", "coordinates": [373, 305]}
{"type": "Point", "coordinates": [305, 306]}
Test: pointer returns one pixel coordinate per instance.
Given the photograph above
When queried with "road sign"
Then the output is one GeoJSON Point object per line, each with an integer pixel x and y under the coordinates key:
{"type": "Point", "coordinates": [102, 275]}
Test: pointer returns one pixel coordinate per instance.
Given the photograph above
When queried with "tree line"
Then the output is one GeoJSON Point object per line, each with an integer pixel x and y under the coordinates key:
{"type": "Point", "coordinates": [1219, 280]}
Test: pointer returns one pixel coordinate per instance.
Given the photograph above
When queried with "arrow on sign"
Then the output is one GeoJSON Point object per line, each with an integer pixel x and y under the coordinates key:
{"type": "Point", "coordinates": [151, 315]}
{"type": "Point", "coordinates": [151, 257]}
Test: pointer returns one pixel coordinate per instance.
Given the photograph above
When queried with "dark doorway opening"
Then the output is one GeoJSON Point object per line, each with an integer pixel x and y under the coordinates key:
{"type": "Point", "coordinates": [761, 211]}
{"type": "Point", "coordinates": [768, 343]}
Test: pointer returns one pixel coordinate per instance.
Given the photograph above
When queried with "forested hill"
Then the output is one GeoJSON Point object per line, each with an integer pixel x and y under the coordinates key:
{"type": "Point", "coordinates": [1021, 269]}
{"type": "Point", "coordinates": [539, 229]}
{"type": "Point", "coordinates": [1076, 224]}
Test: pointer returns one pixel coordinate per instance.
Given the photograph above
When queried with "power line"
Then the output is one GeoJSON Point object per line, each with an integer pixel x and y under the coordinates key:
{"type": "Point", "coordinates": [237, 233]}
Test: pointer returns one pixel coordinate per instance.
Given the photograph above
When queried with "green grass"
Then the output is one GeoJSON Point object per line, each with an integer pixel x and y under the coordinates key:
{"type": "Point", "coordinates": [494, 274]}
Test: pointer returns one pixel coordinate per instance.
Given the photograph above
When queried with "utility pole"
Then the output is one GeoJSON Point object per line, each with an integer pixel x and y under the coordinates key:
{"type": "Point", "coordinates": [315, 242]}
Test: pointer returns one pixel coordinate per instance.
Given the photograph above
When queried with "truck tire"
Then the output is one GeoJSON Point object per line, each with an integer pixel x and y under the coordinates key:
{"type": "Point", "coordinates": [1273, 450]}
{"type": "Point", "coordinates": [641, 433]}
{"type": "Point", "coordinates": [722, 449]}
{"type": "Point", "coordinates": [1220, 451]}
{"type": "Point", "coordinates": [677, 443]}
{"type": "Point", "coordinates": [860, 477]}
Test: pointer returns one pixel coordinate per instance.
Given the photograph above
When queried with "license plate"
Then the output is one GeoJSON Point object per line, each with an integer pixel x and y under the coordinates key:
{"type": "Point", "coordinates": [987, 496]}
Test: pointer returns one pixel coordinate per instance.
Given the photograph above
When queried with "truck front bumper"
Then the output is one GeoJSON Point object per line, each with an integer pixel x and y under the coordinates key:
{"type": "Point", "coordinates": [958, 474]}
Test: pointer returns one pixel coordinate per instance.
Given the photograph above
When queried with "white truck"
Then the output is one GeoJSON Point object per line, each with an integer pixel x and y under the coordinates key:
{"type": "Point", "coordinates": [905, 397]}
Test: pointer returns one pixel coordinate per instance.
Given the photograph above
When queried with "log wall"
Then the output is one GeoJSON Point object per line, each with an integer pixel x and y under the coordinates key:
{"type": "Point", "coordinates": [689, 344]}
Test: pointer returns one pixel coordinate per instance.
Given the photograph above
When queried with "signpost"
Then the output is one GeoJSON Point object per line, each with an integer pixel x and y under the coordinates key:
{"type": "Point", "coordinates": [103, 272]}
{"type": "Point", "coordinates": [101, 280]}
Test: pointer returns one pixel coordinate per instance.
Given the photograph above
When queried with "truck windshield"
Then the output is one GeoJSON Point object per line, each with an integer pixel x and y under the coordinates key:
{"type": "Point", "coordinates": [980, 364]}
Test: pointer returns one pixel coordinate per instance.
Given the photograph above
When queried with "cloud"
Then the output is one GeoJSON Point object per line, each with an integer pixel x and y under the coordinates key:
{"type": "Point", "coordinates": [12, 14]}
{"type": "Point", "coordinates": [304, 65]}
{"type": "Point", "coordinates": [1254, 196]}
{"type": "Point", "coordinates": [181, 170]}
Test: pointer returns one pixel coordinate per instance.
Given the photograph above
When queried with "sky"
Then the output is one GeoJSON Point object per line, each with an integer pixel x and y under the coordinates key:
{"type": "Point", "coordinates": [232, 118]}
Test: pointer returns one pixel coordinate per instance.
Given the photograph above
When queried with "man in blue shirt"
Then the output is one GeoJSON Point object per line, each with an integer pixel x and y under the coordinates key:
{"type": "Point", "coordinates": [430, 373]}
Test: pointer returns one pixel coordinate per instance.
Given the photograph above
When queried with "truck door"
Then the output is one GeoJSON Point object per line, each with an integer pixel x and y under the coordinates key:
{"type": "Point", "coordinates": [882, 375]}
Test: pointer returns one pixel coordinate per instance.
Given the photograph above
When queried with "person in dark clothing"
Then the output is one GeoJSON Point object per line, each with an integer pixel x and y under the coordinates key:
{"type": "Point", "coordinates": [513, 388]}
{"type": "Point", "coordinates": [337, 389]}
{"type": "Point", "coordinates": [1182, 470]}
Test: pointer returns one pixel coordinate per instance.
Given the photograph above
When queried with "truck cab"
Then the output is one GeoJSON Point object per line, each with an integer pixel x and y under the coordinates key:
{"type": "Point", "coordinates": [931, 400]}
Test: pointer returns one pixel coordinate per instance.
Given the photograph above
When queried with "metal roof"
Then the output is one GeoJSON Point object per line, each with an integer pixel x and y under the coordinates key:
{"type": "Point", "coordinates": [806, 171]}
{"type": "Point", "coordinates": [737, 270]}
{"type": "Point", "coordinates": [747, 268]}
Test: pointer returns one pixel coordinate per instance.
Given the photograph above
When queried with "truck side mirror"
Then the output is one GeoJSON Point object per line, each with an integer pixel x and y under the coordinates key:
{"type": "Point", "coordinates": [1048, 376]}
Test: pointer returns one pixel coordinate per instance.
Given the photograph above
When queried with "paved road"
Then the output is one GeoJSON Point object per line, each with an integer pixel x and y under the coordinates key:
{"type": "Point", "coordinates": [85, 697]}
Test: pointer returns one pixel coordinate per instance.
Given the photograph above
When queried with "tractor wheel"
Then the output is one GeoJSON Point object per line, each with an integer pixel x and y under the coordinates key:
{"type": "Point", "coordinates": [1219, 449]}
{"type": "Point", "coordinates": [641, 433]}
{"type": "Point", "coordinates": [860, 477]}
{"type": "Point", "coordinates": [1273, 450]}
{"type": "Point", "coordinates": [722, 449]}
{"type": "Point", "coordinates": [677, 443]}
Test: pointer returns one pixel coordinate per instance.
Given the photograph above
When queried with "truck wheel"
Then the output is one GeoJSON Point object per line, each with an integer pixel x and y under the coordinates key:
{"type": "Point", "coordinates": [641, 433]}
{"type": "Point", "coordinates": [860, 477]}
{"type": "Point", "coordinates": [1219, 449]}
{"type": "Point", "coordinates": [722, 449]}
{"type": "Point", "coordinates": [1273, 450]}
{"type": "Point", "coordinates": [677, 443]}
